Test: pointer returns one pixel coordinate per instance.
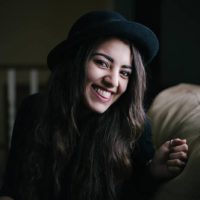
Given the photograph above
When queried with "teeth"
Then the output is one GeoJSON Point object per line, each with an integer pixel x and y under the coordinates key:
{"type": "Point", "coordinates": [103, 93]}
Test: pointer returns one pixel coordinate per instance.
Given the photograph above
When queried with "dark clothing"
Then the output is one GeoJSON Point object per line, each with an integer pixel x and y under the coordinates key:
{"type": "Point", "coordinates": [27, 119]}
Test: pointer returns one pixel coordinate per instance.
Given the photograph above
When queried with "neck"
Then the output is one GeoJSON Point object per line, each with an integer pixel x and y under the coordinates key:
{"type": "Point", "coordinates": [85, 115]}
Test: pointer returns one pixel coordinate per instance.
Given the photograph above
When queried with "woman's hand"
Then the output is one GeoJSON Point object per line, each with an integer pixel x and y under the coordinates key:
{"type": "Point", "coordinates": [170, 159]}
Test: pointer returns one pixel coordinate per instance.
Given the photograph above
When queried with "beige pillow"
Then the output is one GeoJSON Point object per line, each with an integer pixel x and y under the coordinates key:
{"type": "Point", "coordinates": [175, 112]}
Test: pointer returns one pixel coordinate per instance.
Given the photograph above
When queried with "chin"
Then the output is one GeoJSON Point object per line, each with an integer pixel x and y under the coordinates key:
{"type": "Point", "coordinates": [98, 109]}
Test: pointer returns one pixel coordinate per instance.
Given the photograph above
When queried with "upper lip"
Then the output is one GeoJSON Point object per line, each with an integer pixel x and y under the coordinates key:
{"type": "Point", "coordinates": [106, 89]}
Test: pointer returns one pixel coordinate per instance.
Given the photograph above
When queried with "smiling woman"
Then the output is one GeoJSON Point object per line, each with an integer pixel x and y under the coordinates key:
{"type": "Point", "coordinates": [88, 138]}
{"type": "Point", "coordinates": [107, 74]}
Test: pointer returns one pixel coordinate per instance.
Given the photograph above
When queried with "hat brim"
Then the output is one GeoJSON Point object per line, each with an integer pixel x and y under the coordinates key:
{"type": "Point", "coordinates": [141, 36]}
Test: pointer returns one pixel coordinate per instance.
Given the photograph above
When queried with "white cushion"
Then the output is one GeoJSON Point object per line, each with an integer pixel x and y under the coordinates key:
{"type": "Point", "coordinates": [175, 112]}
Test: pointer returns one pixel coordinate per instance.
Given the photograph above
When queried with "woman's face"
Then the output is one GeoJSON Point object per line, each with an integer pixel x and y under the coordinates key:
{"type": "Point", "coordinates": [107, 74]}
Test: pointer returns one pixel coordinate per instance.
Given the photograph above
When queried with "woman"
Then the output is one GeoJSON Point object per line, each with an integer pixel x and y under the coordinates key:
{"type": "Point", "coordinates": [89, 137]}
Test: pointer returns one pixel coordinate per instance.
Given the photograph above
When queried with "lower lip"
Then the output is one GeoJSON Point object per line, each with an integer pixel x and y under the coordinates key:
{"type": "Point", "coordinates": [101, 98]}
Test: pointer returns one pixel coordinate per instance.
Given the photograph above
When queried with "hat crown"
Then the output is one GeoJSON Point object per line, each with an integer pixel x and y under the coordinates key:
{"type": "Point", "coordinates": [92, 20]}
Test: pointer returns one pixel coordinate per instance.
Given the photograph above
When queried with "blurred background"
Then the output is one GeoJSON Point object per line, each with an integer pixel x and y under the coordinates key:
{"type": "Point", "coordinates": [30, 28]}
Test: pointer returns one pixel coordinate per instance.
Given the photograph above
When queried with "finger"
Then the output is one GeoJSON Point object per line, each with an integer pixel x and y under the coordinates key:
{"type": "Point", "coordinates": [178, 141]}
{"type": "Point", "coordinates": [178, 155]}
{"type": "Point", "coordinates": [175, 170]}
{"type": "Point", "coordinates": [176, 163]}
{"type": "Point", "coordinates": [178, 148]}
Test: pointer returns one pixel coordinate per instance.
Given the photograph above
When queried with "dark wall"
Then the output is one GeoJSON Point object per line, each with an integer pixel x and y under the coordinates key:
{"type": "Point", "coordinates": [177, 25]}
{"type": "Point", "coordinates": [148, 13]}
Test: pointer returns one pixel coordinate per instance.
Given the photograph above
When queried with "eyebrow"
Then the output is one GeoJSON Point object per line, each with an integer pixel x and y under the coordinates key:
{"type": "Point", "coordinates": [104, 55]}
{"type": "Point", "coordinates": [110, 59]}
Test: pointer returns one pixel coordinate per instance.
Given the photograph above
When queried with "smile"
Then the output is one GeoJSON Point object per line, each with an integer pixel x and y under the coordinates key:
{"type": "Point", "coordinates": [102, 93]}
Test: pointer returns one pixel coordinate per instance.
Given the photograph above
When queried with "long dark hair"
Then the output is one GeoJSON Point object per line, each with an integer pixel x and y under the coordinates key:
{"type": "Point", "coordinates": [87, 153]}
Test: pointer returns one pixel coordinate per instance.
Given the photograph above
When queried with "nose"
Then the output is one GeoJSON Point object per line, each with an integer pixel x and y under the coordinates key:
{"type": "Point", "coordinates": [112, 79]}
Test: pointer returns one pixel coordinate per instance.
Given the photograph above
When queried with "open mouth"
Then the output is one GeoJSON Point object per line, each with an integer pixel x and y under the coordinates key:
{"type": "Point", "coordinates": [102, 92]}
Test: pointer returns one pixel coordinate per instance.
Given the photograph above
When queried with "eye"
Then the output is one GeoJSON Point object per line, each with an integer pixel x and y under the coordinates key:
{"type": "Point", "coordinates": [125, 74]}
{"type": "Point", "coordinates": [101, 63]}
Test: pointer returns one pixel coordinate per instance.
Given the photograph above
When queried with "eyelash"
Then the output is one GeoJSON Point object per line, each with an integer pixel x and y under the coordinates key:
{"type": "Point", "coordinates": [125, 74]}
{"type": "Point", "coordinates": [103, 64]}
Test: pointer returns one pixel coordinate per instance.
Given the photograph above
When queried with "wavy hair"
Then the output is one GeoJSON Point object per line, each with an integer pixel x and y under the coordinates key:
{"type": "Point", "coordinates": [90, 154]}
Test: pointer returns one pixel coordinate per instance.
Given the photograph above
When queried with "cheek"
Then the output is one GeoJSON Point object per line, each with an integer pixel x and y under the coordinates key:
{"type": "Point", "coordinates": [90, 78]}
{"type": "Point", "coordinates": [124, 86]}
{"type": "Point", "coordinates": [91, 74]}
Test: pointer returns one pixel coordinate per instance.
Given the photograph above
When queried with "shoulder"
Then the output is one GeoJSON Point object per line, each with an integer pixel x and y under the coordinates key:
{"type": "Point", "coordinates": [34, 102]}
{"type": "Point", "coordinates": [28, 116]}
{"type": "Point", "coordinates": [31, 107]}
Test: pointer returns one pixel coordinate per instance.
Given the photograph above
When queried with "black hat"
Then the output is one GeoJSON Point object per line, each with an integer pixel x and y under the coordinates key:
{"type": "Point", "coordinates": [106, 23]}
